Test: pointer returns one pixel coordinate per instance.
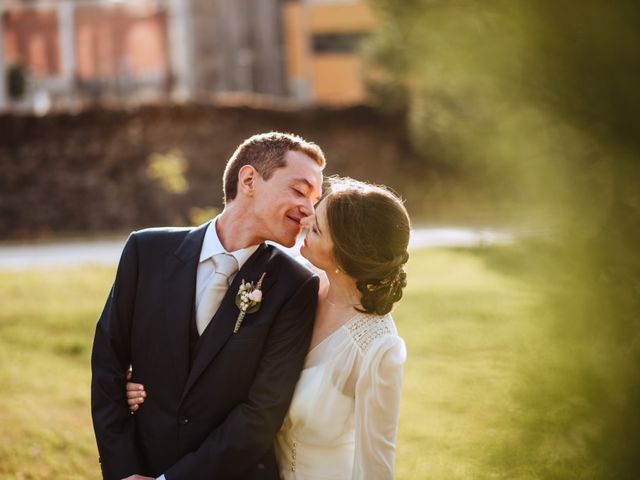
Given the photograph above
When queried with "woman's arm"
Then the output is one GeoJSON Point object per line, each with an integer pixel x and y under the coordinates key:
{"type": "Point", "coordinates": [377, 400]}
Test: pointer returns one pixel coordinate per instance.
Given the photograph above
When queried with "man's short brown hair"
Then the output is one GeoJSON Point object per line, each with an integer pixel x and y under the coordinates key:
{"type": "Point", "coordinates": [265, 152]}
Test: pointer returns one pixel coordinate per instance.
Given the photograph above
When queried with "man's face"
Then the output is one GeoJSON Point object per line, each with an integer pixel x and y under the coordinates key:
{"type": "Point", "coordinates": [281, 202]}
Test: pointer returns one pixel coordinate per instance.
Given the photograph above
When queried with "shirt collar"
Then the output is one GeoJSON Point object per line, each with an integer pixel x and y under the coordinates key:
{"type": "Point", "coordinates": [212, 246]}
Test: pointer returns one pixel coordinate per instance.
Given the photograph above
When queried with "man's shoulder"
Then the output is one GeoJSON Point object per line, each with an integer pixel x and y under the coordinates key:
{"type": "Point", "coordinates": [162, 233]}
{"type": "Point", "coordinates": [295, 270]}
{"type": "Point", "coordinates": [160, 239]}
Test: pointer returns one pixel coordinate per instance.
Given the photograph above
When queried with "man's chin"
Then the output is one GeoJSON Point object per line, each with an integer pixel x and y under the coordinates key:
{"type": "Point", "coordinates": [287, 242]}
{"type": "Point", "coordinates": [287, 236]}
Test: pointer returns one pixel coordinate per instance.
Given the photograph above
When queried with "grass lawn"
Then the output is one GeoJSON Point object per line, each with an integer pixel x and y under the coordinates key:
{"type": "Point", "coordinates": [464, 320]}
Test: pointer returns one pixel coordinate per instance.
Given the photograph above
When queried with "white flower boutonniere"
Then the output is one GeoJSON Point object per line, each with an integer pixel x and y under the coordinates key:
{"type": "Point", "coordinates": [248, 300]}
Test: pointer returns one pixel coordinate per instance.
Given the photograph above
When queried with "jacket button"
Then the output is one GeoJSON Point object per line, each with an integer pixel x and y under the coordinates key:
{"type": "Point", "coordinates": [183, 420]}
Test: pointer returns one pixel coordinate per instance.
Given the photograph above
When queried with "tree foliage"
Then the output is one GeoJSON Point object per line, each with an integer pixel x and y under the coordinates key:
{"type": "Point", "coordinates": [540, 99]}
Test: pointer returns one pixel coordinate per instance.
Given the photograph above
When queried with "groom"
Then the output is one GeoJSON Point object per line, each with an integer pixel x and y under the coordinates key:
{"type": "Point", "coordinates": [217, 394]}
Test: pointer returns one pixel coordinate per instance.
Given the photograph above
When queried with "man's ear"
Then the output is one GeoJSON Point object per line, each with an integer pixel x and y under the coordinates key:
{"type": "Point", "coordinates": [247, 176]}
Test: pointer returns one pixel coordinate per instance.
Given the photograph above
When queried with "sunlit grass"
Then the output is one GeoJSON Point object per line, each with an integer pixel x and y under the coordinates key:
{"type": "Point", "coordinates": [46, 327]}
{"type": "Point", "coordinates": [461, 320]}
{"type": "Point", "coordinates": [464, 320]}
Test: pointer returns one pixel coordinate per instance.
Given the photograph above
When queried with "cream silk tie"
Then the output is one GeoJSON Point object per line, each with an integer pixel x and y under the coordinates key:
{"type": "Point", "coordinates": [226, 265]}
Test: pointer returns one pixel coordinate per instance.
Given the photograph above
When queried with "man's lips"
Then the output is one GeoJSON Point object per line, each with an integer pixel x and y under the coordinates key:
{"type": "Point", "coordinates": [296, 220]}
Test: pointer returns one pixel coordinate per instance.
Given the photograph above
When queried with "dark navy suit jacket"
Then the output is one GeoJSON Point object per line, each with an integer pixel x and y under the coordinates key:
{"type": "Point", "coordinates": [216, 418]}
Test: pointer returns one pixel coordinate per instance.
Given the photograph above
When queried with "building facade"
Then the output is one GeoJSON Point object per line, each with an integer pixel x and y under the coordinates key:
{"type": "Point", "coordinates": [324, 64]}
{"type": "Point", "coordinates": [73, 52]}
{"type": "Point", "coordinates": [66, 53]}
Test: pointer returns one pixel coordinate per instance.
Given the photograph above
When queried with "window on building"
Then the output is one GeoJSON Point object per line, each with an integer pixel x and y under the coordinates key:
{"type": "Point", "coordinates": [336, 42]}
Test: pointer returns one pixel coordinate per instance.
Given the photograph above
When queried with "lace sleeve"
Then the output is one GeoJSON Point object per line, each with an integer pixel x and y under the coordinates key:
{"type": "Point", "coordinates": [377, 408]}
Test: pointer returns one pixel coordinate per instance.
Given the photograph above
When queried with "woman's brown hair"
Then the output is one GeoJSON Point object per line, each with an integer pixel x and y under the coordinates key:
{"type": "Point", "coordinates": [370, 229]}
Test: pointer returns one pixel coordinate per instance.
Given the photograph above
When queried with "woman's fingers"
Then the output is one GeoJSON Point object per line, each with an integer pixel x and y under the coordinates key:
{"type": "Point", "coordinates": [135, 401]}
{"type": "Point", "coordinates": [136, 394]}
{"type": "Point", "coordinates": [134, 386]}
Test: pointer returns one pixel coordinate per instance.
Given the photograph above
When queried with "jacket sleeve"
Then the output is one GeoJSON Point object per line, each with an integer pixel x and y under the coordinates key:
{"type": "Point", "coordinates": [110, 359]}
{"type": "Point", "coordinates": [248, 432]}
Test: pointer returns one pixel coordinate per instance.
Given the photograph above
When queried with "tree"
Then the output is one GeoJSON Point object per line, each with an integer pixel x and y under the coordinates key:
{"type": "Point", "coordinates": [540, 99]}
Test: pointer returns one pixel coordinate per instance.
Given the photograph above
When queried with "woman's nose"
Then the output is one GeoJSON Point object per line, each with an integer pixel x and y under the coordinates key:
{"type": "Point", "coordinates": [307, 221]}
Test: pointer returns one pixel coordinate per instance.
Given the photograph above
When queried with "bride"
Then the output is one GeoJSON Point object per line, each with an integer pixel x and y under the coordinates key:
{"type": "Point", "coordinates": [343, 417]}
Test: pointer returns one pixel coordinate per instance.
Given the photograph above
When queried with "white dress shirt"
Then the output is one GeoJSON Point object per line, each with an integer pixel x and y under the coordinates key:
{"type": "Point", "coordinates": [212, 246]}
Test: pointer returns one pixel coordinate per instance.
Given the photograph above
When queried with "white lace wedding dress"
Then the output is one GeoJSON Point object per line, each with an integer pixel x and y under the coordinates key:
{"type": "Point", "coordinates": [343, 418]}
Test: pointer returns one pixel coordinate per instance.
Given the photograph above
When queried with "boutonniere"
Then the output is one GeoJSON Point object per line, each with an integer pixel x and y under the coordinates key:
{"type": "Point", "coordinates": [248, 300]}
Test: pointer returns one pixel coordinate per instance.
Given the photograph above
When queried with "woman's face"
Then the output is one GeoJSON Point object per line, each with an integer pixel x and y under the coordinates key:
{"type": "Point", "coordinates": [318, 246]}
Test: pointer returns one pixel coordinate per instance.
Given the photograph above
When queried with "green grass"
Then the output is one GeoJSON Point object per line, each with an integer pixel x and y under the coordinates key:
{"type": "Point", "coordinates": [464, 318]}
{"type": "Point", "coordinates": [462, 321]}
{"type": "Point", "coordinates": [46, 328]}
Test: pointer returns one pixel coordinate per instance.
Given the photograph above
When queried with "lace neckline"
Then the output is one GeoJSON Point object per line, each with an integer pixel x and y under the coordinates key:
{"type": "Point", "coordinates": [363, 329]}
{"type": "Point", "coordinates": [325, 339]}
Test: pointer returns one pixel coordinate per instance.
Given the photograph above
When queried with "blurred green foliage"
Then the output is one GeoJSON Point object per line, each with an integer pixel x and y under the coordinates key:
{"type": "Point", "coordinates": [169, 170]}
{"type": "Point", "coordinates": [16, 81]}
{"type": "Point", "coordinates": [538, 102]}
{"type": "Point", "coordinates": [200, 215]}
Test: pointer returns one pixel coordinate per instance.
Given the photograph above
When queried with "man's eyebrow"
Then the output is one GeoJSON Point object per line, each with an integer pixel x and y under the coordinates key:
{"type": "Point", "coordinates": [303, 180]}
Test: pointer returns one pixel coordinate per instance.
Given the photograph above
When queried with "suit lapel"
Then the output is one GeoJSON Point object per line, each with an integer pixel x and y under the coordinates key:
{"type": "Point", "coordinates": [221, 326]}
{"type": "Point", "coordinates": [180, 285]}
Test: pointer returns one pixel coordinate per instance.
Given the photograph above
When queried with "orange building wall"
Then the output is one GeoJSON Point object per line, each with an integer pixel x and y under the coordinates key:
{"type": "Point", "coordinates": [341, 17]}
{"type": "Point", "coordinates": [295, 42]}
{"type": "Point", "coordinates": [334, 77]}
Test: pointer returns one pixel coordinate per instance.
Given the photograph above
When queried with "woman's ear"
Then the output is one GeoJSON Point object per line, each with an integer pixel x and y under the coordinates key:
{"type": "Point", "coordinates": [247, 180]}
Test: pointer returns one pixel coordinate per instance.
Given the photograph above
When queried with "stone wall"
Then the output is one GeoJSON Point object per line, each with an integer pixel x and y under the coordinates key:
{"type": "Point", "coordinates": [88, 172]}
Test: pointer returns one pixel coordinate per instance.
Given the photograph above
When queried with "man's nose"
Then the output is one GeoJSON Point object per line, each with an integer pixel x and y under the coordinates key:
{"type": "Point", "coordinates": [307, 207]}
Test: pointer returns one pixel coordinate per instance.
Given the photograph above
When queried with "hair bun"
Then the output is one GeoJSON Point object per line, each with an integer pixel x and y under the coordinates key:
{"type": "Point", "coordinates": [378, 296]}
{"type": "Point", "coordinates": [370, 229]}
